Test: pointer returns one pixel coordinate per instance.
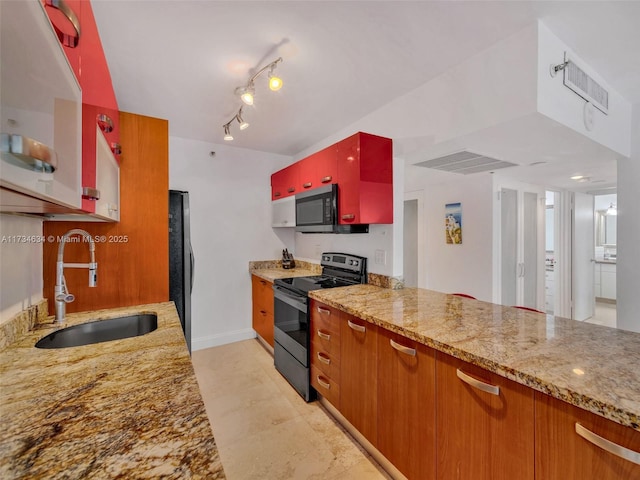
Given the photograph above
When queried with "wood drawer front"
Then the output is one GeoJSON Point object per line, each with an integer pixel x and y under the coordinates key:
{"type": "Point", "coordinates": [325, 386]}
{"type": "Point", "coordinates": [325, 340]}
{"type": "Point", "coordinates": [262, 294]}
{"type": "Point", "coordinates": [328, 363]}
{"type": "Point", "coordinates": [325, 317]}
{"type": "Point", "coordinates": [262, 323]}
{"type": "Point", "coordinates": [563, 454]}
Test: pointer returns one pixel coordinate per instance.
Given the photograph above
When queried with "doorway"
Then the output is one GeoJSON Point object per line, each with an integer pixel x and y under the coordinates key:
{"type": "Point", "coordinates": [410, 243]}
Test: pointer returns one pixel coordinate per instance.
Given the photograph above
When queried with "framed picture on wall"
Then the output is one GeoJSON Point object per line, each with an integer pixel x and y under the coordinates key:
{"type": "Point", "coordinates": [453, 223]}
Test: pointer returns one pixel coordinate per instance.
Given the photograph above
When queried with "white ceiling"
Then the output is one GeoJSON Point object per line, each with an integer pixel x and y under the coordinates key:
{"type": "Point", "coordinates": [182, 60]}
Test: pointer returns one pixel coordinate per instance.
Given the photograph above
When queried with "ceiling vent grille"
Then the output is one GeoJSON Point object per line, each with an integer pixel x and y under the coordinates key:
{"type": "Point", "coordinates": [585, 86]}
{"type": "Point", "coordinates": [465, 162]}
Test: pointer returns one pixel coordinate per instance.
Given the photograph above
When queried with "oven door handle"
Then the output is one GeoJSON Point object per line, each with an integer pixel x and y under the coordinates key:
{"type": "Point", "coordinates": [296, 301]}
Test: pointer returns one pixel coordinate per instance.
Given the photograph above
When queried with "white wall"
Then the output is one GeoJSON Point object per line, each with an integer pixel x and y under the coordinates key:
{"type": "Point", "coordinates": [628, 245]}
{"type": "Point", "coordinates": [230, 226]}
{"type": "Point", "coordinates": [21, 264]}
{"type": "Point", "coordinates": [556, 101]}
{"type": "Point", "coordinates": [465, 268]}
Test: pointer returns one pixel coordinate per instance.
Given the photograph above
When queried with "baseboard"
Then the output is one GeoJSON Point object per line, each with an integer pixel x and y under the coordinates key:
{"type": "Point", "coordinates": [222, 339]}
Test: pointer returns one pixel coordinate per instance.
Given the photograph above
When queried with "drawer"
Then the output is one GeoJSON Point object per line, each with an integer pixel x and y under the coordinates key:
{"type": "Point", "coordinates": [323, 339]}
{"type": "Point", "coordinates": [325, 317]}
{"type": "Point", "coordinates": [325, 386]}
{"type": "Point", "coordinates": [329, 363]}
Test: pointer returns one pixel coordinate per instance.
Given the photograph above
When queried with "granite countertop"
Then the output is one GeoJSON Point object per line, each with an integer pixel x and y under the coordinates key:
{"type": "Point", "coordinates": [272, 269]}
{"type": "Point", "coordinates": [127, 408]}
{"type": "Point", "coordinates": [590, 366]}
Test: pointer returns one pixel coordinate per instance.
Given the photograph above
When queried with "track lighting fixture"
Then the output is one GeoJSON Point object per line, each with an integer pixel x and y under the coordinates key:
{"type": "Point", "coordinates": [247, 95]}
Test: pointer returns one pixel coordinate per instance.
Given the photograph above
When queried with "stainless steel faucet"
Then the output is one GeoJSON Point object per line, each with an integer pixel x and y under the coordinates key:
{"type": "Point", "coordinates": [62, 295]}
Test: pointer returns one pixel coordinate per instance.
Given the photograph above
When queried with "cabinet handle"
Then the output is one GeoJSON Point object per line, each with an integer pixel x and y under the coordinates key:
{"type": "Point", "coordinates": [66, 39]}
{"type": "Point", "coordinates": [323, 335]}
{"type": "Point", "coordinates": [608, 445]}
{"type": "Point", "coordinates": [277, 194]}
{"type": "Point", "coordinates": [324, 311]}
{"type": "Point", "coordinates": [89, 193]}
{"type": "Point", "coordinates": [263, 282]}
{"type": "Point", "coordinates": [116, 148]}
{"type": "Point", "coordinates": [307, 185]}
{"type": "Point", "coordinates": [291, 189]}
{"type": "Point", "coordinates": [326, 179]}
{"type": "Point", "coordinates": [323, 383]}
{"type": "Point", "coordinates": [323, 358]}
{"type": "Point", "coordinates": [356, 327]}
{"type": "Point", "coordinates": [348, 216]}
{"type": "Point", "coordinates": [263, 312]}
{"type": "Point", "coordinates": [485, 387]}
{"type": "Point", "coordinates": [104, 122]}
{"type": "Point", "coordinates": [34, 155]}
{"type": "Point", "coordinates": [402, 348]}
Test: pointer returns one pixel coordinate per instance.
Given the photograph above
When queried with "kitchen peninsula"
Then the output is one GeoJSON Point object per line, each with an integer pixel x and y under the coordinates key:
{"type": "Point", "coordinates": [126, 408]}
{"type": "Point", "coordinates": [467, 379]}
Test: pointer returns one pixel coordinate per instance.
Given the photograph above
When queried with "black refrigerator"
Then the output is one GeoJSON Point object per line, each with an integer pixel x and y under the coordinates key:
{"type": "Point", "coordinates": [181, 259]}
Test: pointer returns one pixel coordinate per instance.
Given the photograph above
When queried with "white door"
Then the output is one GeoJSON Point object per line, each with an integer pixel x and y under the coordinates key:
{"type": "Point", "coordinates": [582, 263]}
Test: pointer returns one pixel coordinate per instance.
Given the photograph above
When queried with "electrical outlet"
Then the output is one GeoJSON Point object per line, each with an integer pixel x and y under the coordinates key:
{"type": "Point", "coordinates": [381, 257]}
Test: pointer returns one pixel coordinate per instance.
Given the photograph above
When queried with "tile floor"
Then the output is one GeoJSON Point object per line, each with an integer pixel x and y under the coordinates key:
{"type": "Point", "coordinates": [605, 314]}
{"type": "Point", "coordinates": [264, 430]}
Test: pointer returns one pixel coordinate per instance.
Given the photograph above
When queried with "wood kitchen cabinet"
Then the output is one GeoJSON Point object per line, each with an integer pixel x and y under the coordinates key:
{"type": "Point", "coordinates": [319, 169]}
{"type": "Point", "coordinates": [406, 405]}
{"type": "Point", "coordinates": [484, 424]}
{"type": "Point", "coordinates": [358, 375]}
{"type": "Point", "coordinates": [262, 299]}
{"type": "Point", "coordinates": [325, 351]}
{"type": "Point", "coordinates": [564, 454]}
{"type": "Point", "coordinates": [285, 182]}
{"type": "Point", "coordinates": [365, 172]}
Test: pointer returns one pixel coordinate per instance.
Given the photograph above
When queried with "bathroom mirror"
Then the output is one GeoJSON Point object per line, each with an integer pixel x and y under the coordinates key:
{"type": "Point", "coordinates": [606, 227]}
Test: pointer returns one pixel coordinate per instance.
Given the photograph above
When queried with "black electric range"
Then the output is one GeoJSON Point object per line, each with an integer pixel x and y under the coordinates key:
{"type": "Point", "coordinates": [291, 314]}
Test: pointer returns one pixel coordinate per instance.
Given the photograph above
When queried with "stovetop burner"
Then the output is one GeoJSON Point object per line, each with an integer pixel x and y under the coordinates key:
{"type": "Point", "coordinates": [338, 270]}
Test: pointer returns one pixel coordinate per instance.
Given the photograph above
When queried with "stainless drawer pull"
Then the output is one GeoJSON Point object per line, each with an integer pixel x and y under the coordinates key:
{"type": "Point", "coordinates": [323, 358]}
{"type": "Point", "coordinates": [323, 335]}
{"type": "Point", "coordinates": [277, 194]}
{"type": "Point", "coordinates": [485, 387]}
{"type": "Point", "coordinates": [291, 189]}
{"type": "Point", "coordinates": [116, 148]}
{"type": "Point", "coordinates": [323, 384]}
{"type": "Point", "coordinates": [31, 154]}
{"type": "Point", "coordinates": [104, 122]}
{"type": "Point", "coordinates": [67, 40]}
{"type": "Point", "coordinates": [402, 348]}
{"type": "Point", "coordinates": [89, 193]}
{"type": "Point", "coordinates": [356, 327]}
{"type": "Point", "coordinates": [307, 185]}
{"type": "Point", "coordinates": [326, 179]}
{"type": "Point", "coordinates": [348, 216]}
{"type": "Point", "coordinates": [608, 445]}
{"type": "Point", "coordinates": [324, 311]}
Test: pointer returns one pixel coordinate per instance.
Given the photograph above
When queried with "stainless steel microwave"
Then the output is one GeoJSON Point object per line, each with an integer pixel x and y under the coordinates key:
{"type": "Point", "coordinates": [317, 212]}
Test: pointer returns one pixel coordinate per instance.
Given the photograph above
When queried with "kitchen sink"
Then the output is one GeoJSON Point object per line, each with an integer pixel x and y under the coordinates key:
{"type": "Point", "coordinates": [100, 331]}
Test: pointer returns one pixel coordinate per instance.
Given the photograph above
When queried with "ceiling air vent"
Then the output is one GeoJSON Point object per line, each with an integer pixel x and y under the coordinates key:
{"type": "Point", "coordinates": [585, 86]}
{"type": "Point", "coordinates": [465, 163]}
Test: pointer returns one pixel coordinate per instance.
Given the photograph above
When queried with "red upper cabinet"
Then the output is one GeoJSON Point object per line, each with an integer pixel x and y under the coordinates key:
{"type": "Point", "coordinates": [365, 173]}
{"type": "Point", "coordinates": [285, 182]}
{"type": "Point", "coordinates": [319, 169]}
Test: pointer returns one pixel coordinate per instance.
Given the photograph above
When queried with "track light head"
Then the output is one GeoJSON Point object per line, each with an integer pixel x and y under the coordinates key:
{"type": "Point", "coordinates": [227, 133]}
{"type": "Point", "coordinates": [247, 93]}
{"type": "Point", "coordinates": [243, 124]}
{"type": "Point", "coordinates": [275, 83]}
